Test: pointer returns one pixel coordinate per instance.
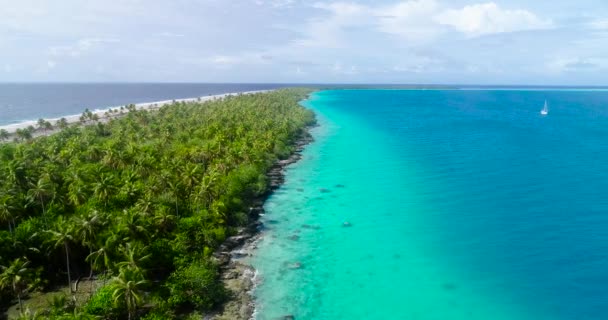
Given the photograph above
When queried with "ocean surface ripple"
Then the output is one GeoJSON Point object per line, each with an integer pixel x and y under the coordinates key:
{"type": "Point", "coordinates": [461, 204]}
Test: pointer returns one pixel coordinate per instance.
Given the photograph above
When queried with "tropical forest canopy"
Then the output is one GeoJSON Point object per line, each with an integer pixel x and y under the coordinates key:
{"type": "Point", "coordinates": [140, 201]}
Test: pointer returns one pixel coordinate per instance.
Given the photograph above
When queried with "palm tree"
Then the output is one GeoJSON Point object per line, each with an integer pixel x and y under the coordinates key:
{"type": "Point", "coordinates": [175, 190]}
{"type": "Point", "coordinates": [86, 116]}
{"type": "Point", "coordinates": [190, 176]}
{"type": "Point", "coordinates": [41, 190]}
{"type": "Point", "coordinates": [48, 126]}
{"type": "Point", "coordinates": [23, 134]}
{"type": "Point", "coordinates": [133, 255]}
{"type": "Point", "coordinates": [86, 229]}
{"type": "Point", "coordinates": [31, 129]}
{"type": "Point", "coordinates": [62, 238]}
{"type": "Point", "coordinates": [78, 314]}
{"type": "Point", "coordinates": [110, 157]}
{"type": "Point", "coordinates": [17, 276]}
{"type": "Point", "coordinates": [204, 194]}
{"type": "Point", "coordinates": [100, 259]}
{"type": "Point", "coordinates": [41, 123]}
{"type": "Point", "coordinates": [7, 212]}
{"type": "Point", "coordinates": [4, 135]}
{"type": "Point", "coordinates": [164, 219]}
{"type": "Point", "coordinates": [144, 205]}
{"type": "Point", "coordinates": [129, 285]}
{"type": "Point", "coordinates": [77, 193]}
{"type": "Point", "coordinates": [133, 225]}
{"type": "Point", "coordinates": [62, 123]}
{"type": "Point", "coordinates": [103, 259]}
{"type": "Point", "coordinates": [28, 314]}
{"type": "Point", "coordinates": [88, 226]}
{"type": "Point", "coordinates": [44, 125]}
{"type": "Point", "coordinates": [16, 173]}
{"type": "Point", "coordinates": [104, 188]}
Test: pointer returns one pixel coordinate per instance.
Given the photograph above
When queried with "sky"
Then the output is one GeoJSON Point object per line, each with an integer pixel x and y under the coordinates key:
{"type": "Point", "coordinates": [542, 42]}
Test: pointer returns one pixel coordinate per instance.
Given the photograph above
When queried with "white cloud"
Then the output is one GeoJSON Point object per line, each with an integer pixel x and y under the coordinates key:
{"type": "Point", "coordinates": [170, 34]}
{"type": "Point", "coordinates": [415, 21]}
{"type": "Point", "coordinates": [16, 15]}
{"type": "Point", "coordinates": [275, 3]}
{"type": "Point", "coordinates": [419, 64]}
{"type": "Point", "coordinates": [409, 20]}
{"type": "Point", "coordinates": [600, 24]}
{"type": "Point", "coordinates": [225, 60]}
{"type": "Point", "coordinates": [489, 18]}
{"type": "Point", "coordinates": [81, 47]}
{"type": "Point", "coordinates": [569, 64]}
{"type": "Point", "coordinates": [339, 69]}
{"type": "Point", "coordinates": [329, 32]}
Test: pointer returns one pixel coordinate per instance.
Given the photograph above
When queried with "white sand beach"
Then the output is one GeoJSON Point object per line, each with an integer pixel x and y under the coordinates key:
{"type": "Point", "coordinates": [101, 113]}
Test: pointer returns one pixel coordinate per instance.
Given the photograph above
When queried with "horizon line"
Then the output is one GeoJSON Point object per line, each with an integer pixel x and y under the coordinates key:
{"type": "Point", "coordinates": [317, 84]}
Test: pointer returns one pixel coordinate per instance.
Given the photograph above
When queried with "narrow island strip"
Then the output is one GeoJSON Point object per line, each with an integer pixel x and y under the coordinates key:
{"type": "Point", "coordinates": [32, 128]}
{"type": "Point", "coordinates": [135, 216]}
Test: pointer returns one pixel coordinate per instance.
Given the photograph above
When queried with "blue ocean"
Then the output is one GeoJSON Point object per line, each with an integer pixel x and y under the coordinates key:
{"type": "Point", "coordinates": [442, 204]}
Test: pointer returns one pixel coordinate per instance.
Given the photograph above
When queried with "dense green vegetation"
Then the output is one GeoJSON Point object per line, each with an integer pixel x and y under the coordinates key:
{"type": "Point", "coordinates": [139, 203]}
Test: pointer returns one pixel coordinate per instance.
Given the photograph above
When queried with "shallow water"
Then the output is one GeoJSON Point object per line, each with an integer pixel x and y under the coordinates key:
{"type": "Point", "coordinates": [461, 204]}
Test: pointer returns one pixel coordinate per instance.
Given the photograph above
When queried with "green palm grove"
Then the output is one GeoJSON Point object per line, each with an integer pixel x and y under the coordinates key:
{"type": "Point", "coordinates": [139, 203]}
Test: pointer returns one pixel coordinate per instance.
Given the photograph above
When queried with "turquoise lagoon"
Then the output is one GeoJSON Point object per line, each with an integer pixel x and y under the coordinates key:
{"type": "Point", "coordinates": [462, 204]}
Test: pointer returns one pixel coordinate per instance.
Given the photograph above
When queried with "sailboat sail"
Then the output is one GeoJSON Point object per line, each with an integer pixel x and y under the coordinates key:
{"type": "Point", "coordinates": [545, 109]}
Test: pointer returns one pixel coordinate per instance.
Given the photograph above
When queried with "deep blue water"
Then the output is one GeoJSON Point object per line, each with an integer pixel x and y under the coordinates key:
{"type": "Point", "coordinates": [30, 101]}
{"type": "Point", "coordinates": [464, 204]}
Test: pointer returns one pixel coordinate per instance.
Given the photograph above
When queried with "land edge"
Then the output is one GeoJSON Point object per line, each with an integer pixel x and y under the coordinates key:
{"type": "Point", "coordinates": [238, 276]}
{"type": "Point", "coordinates": [103, 112]}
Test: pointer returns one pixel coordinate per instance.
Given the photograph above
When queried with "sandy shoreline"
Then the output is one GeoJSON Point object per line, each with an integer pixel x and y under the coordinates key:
{"type": "Point", "coordinates": [233, 256]}
{"type": "Point", "coordinates": [238, 276]}
{"type": "Point", "coordinates": [101, 113]}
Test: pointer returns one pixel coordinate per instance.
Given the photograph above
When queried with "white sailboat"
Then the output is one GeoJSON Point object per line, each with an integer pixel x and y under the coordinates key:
{"type": "Point", "coordinates": [545, 110]}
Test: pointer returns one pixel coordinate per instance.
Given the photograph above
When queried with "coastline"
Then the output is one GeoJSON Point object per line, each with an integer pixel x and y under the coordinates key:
{"type": "Point", "coordinates": [101, 113]}
{"type": "Point", "coordinates": [238, 276]}
{"type": "Point", "coordinates": [288, 153]}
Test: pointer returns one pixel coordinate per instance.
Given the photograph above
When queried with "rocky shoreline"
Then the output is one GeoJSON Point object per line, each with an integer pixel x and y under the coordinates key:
{"type": "Point", "coordinates": [238, 276]}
